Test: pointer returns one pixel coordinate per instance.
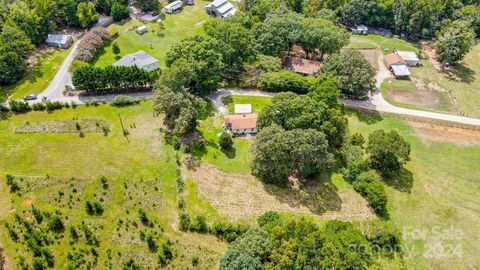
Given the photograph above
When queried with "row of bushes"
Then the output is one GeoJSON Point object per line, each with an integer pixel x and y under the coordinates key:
{"type": "Point", "coordinates": [112, 79]}
{"type": "Point", "coordinates": [284, 81]}
{"type": "Point", "coordinates": [91, 43]}
{"type": "Point", "coordinates": [20, 106]}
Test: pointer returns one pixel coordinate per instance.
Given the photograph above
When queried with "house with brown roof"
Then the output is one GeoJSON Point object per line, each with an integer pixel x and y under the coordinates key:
{"type": "Point", "coordinates": [301, 65]}
{"type": "Point", "coordinates": [241, 124]}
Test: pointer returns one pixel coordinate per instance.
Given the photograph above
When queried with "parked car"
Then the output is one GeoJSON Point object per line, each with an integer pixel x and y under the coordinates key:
{"type": "Point", "coordinates": [155, 13]}
{"type": "Point", "coordinates": [30, 97]}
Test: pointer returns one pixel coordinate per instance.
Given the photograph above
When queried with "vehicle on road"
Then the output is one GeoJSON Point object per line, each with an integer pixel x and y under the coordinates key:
{"type": "Point", "coordinates": [30, 97]}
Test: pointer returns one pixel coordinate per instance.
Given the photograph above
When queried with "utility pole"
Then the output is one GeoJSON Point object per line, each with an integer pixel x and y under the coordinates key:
{"type": "Point", "coordinates": [123, 128]}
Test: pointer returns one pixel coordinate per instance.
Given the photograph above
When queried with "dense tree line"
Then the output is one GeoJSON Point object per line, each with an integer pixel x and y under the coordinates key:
{"type": "Point", "coordinates": [112, 79]}
{"type": "Point", "coordinates": [299, 243]}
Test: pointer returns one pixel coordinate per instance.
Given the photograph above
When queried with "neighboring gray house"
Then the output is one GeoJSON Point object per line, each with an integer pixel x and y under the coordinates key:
{"type": "Point", "coordinates": [220, 8]}
{"type": "Point", "coordinates": [410, 58]}
{"type": "Point", "coordinates": [174, 7]}
{"type": "Point", "coordinates": [141, 30]}
{"type": "Point", "coordinates": [59, 41]}
{"type": "Point", "coordinates": [140, 59]}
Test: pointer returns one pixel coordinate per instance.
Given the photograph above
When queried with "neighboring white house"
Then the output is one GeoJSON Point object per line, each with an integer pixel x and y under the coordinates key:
{"type": "Point", "coordinates": [174, 7]}
{"type": "Point", "coordinates": [243, 108]}
{"type": "Point", "coordinates": [188, 2]}
{"type": "Point", "coordinates": [359, 29]}
{"type": "Point", "coordinates": [241, 124]}
{"type": "Point", "coordinates": [140, 59]}
{"type": "Point", "coordinates": [141, 30]}
{"type": "Point", "coordinates": [410, 58]}
{"type": "Point", "coordinates": [59, 41]}
{"type": "Point", "coordinates": [220, 8]}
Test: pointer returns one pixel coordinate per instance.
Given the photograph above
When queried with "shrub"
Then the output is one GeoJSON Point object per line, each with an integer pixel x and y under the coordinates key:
{"type": "Point", "coordinates": [19, 106]}
{"type": "Point", "coordinates": [166, 253]}
{"type": "Point", "coordinates": [56, 224]}
{"type": "Point", "coordinates": [228, 231]}
{"type": "Point", "coordinates": [122, 100]}
{"type": "Point", "coordinates": [12, 183]}
{"type": "Point", "coordinates": [184, 222]}
{"type": "Point", "coordinates": [53, 105]}
{"type": "Point", "coordinates": [37, 106]}
{"type": "Point", "coordinates": [225, 141]}
{"type": "Point", "coordinates": [94, 209]}
{"type": "Point", "coordinates": [199, 224]}
{"type": "Point", "coordinates": [234, 259]}
{"type": "Point", "coordinates": [4, 108]}
{"type": "Point", "coordinates": [284, 81]}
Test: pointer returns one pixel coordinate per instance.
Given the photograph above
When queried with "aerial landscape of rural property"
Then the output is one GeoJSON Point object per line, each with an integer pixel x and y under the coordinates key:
{"type": "Point", "coordinates": [239, 134]}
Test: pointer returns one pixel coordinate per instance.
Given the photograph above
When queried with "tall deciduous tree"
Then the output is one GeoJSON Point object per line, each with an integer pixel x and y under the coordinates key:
{"type": "Point", "coordinates": [388, 152]}
{"type": "Point", "coordinates": [279, 31]}
{"type": "Point", "coordinates": [13, 39]}
{"type": "Point", "coordinates": [322, 35]}
{"type": "Point", "coordinates": [278, 153]}
{"type": "Point", "coordinates": [86, 14]}
{"type": "Point", "coordinates": [12, 67]}
{"type": "Point", "coordinates": [236, 43]}
{"type": "Point", "coordinates": [454, 41]}
{"type": "Point", "coordinates": [355, 75]}
{"type": "Point", "coordinates": [180, 108]}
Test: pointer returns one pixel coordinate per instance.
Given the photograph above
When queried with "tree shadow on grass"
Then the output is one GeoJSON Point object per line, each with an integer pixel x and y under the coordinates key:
{"type": "Point", "coordinates": [368, 117]}
{"type": "Point", "coordinates": [319, 195]}
{"type": "Point", "coordinates": [230, 153]}
{"type": "Point", "coordinates": [465, 74]}
{"type": "Point", "coordinates": [402, 182]}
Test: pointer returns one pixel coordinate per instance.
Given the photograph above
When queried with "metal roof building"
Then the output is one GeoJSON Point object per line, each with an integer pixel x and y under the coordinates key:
{"type": "Point", "coordinates": [220, 8]}
{"type": "Point", "coordinates": [140, 59]}
{"type": "Point", "coordinates": [409, 57]}
{"type": "Point", "coordinates": [59, 41]}
{"type": "Point", "coordinates": [243, 108]}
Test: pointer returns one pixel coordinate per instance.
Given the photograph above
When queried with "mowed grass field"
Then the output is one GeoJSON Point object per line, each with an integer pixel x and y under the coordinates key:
{"type": "Point", "coordinates": [140, 172]}
{"type": "Point", "coordinates": [158, 40]}
{"type": "Point", "coordinates": [38, 77]}
{"type": "Point", "coordinates": [442, 206]}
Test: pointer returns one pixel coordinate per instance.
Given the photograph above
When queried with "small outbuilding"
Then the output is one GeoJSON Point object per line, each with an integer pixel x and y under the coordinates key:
{"type": "Point", "coordinates": [242, 124]}
{"type": "Point", "coordinates": [174, 7]}
{"type": "Point", "coordinates": [189, 2]}
{"type": "Point", "coordinates": [396, 65]}
{"type": "Point", "coordinates": [243, 108]}
{"type": "Point", "coordinates": [59, 41]}
{"type": "Point", "coordinates": [301, 65]}
{"type": "Point", "coordinates": [140, 59]}
{"type": "Point", "coordinates": [359, 29]}
{"type": "Point", "coordinates": [410, 58]}
{"type": "Point", "coordinates": [220, 8]}
{"type": "Point", "coordinates": [400, 71]}
{"type": "Point", "coordinates": [141, 30]}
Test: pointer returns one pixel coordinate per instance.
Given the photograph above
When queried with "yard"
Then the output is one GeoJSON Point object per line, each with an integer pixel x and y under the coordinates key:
{"type": "Point", "coordinates": [38, 77]}
{"type": "Point", "coordinates": [158, 39]}
{"type": "Point", "coordinates": [133, 167]}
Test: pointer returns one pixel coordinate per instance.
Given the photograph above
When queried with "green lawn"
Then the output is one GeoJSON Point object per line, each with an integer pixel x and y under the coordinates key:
{"type": "Point", "coordinates": [38, 78]}
{"type": "Point", "coordinates": [157, 40]}
{"type": "Point", "coordinates": [445, 193]}
{"type": "Point", "coordinates": [258, 103]}
{"type": "Point", "coordinates": [142, 161]}
{"type": "Point", "coordinates": [387, 44]}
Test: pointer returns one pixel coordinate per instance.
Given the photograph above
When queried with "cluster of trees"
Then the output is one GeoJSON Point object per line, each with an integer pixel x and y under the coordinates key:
{"type": "Point", "coordinates": [25, 24]}
{"type": "Point", "coordinates": [93, 41]}
{"type": "Point", "coordinates": [365, 166]}
{"type": "Point", "coordinates": [298, 133]}
{"type": "Point", "coordinates": [112, 79]}
{"type": "Point", "coordinates": [281, 243]}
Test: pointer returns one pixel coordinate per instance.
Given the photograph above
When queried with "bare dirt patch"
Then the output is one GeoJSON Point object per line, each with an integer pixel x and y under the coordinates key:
{"type": "Point", "coordinates": [423, 98]}
{"type": "Point", "coordinates": [85, 125]}
{"type": "Point", "coordinates": [439, 133]}
{"type": "Point", "coordinates": [371, 55]}
{"type": "Point", "coordinates": [242, 196]}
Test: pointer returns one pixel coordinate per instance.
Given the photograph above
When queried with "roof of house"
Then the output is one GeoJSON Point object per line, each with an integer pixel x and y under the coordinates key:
{"type": "Point", "coordinates": [243, 108]}
{"type": "Point", "coordinates": [393, 59]}
{"type": "Point", "coordinates": [140, 59]}
{"type": "Point", "coordinates": [58, 38]}
{"type": "Point", "coordinates": [223, 7]}
{"type": "Point", "coordinates": [175, 4]}
{"type": "Point", "coordinates": [218, 3]}
{"type": "Point", "coordinates": [302, 65]}
{"type": "Point", "coordinates": [408, 55]}
{"type": "Point", "coordinates": [400, 70]}
{"type": "Point", "coordinates": [241, 121]}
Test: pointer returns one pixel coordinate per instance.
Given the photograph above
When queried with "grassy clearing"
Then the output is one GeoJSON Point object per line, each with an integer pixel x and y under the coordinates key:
{"type": "Point", "coordinates": [444, 193]}
{"type": "Point", "coordinates": [258, 103]}
{"type": "Point", "coordinates": [387, 44]}
{"type": "Point", "coordinates": [38, 77]}
{"type": "Point", "coordinates": [140, 173]}
{"type": "Point", "coordinates": [84, 125]}
{"type": "Point", "coordinates": [157, 40]}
